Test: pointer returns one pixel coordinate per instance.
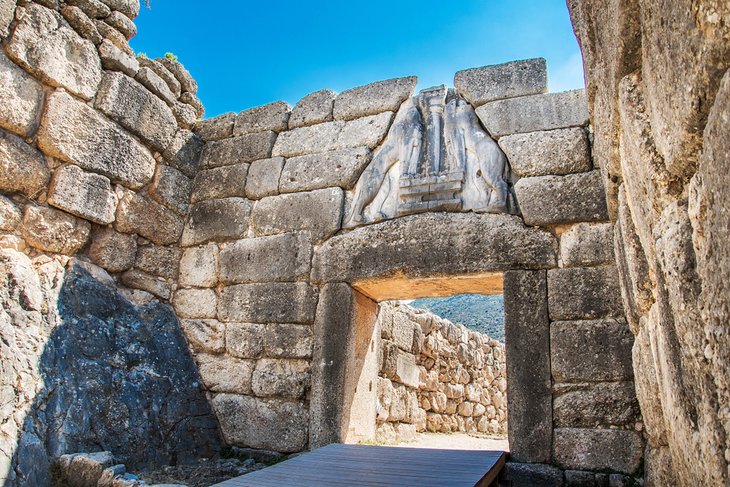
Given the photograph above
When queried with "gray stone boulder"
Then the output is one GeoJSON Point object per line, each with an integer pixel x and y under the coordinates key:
{"type": "Point", "coordinates": [156, 85]}
{"type": "Point", "coordinates": [237, 150]}
{"type": "Point", "coordinates": [378, 97]}
{"type": "Point", "coordinates": [21, 98]}
{"type": "Point", "coordinates": [220, 182]}
{"type": "Point", "coordinates": [114, 59]}
{"type": "Point", "coordinates": [156, 286]}
{"type": "Point", "coordinates": [171, 188]}
{"type": "Point", "coordinates": [263, 178]}
{"type": "Point", "coordinates": [598, 449]}
{"type": "Point", "coordinates": [285, 257]}
{"type": "Point", "coordinates": [316, 171]}
{"type": "Point", "coordinates": [286, 378]}
{"type": "Point", "coordinates": [83, 194]}
{"type": "Point", "coordinates": [184, 152]}
{"type": "Point", "coordinates": [199, 266]}
{"type": "Point", "coordinates": [114, 251]}
{"type": "Point", "coordinates": [601, 405]}
{"type": "Point", "coordinates": [508, 80]}
{"type": "Point", "coordinates": [217, 128]}
{"type": "Point", "coordinates": [216, 220]}
{"type": "Point", "coordinates": [158, 260]}
{"type": "Point", "coordinates": [138, 213]}
{"type": "Point", "coordinates": [313, 109]}
{"type": "Point", "coordinates": [551, 152]}
{"type": "Point", "coordinates": [273, 116]}
{"type": "Point", "coordinates": [584, 293]}
{"type": "Point", "coordinates": [7, 14]}
{"type": "Point", "coordinates": [275, 302]}
{"type": "Point", "coordinates": [587, 244]}
{"type": "Point", "coordinates": [53, 230]}
{"type": "Point", "coordinates": [23, 169]}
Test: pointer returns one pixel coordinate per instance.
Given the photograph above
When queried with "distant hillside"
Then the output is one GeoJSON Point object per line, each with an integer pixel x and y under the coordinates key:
{"type": "Point", "coordinates": [484, 314]}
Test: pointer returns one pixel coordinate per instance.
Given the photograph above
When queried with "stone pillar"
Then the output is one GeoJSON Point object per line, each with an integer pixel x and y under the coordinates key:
{"type": "Point", "coordinates": [527, 340]}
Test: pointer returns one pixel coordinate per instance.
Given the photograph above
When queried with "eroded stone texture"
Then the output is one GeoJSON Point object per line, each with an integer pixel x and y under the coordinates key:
{"type": "Point", "coordinates": [315, 171]}
{"type": "Point", "coordinates": [283, 340]}
{"type": "Point", "coordinates": [114, 251]}
{"type": "Point", "coordinates": [551, 152]}
{"type": "Point", "coordinates": [269, 424]}
{"type": "Point", "coordinates": [587, 244]}
{"type": "Point", "coordinates": [73, 132]}
{"type": "Point", "coordinates": [312, 109]}
{"type": "Point", "coordinates": [276, 302]}
{"type": "Point", "coordinates": [478, 243]}
{"type": "Point", "coordinates": [508, 80]}
{"type": "Point", "coordinates": [53, 230]}
{"type": "Point", "coordinates": [140, 214]}
{"type": "Point", "coordinates": [195, 303]}
{"type": "Point", "coordinates": [183, 76]}
{"type": "Point", "coordinates": [273, 116]}
{"type": "Point", "coordinates": [219, 219]}
{"type": "Point", "coordinates": [263, 178]}
{"type": "Point", "coordinates": [237, 150]}
{"type": "Point", "coordinates": [44, 44]}
{"type": "Point", "coordinates": [216, 128]}
{"type": "Point", "coordinates": [156, 85]}
{"type": "Point", "coordinates": [595, 405]}
{"type": "Point", "coordinates": [207, 336]}
{"type": "Point", "coordinates": [280, 378]}
{"type": "Point", "coordinates": [550, 200]}
{"type": "Point", "coordinates": [10, 215]}
{"type": "Point", "coordinates": [22, 168]}
{"type": "Point", "coordinates": [317, 212]}
{"type": "Point", "coordinates": [584, 293]}
{"type": "Point", "coordinates": [285, 257]}
{"type": "Point", "coordinates": [529, 474]}
{"type": "Point", "coordinates": [83, 194]}
{"type": "Point", "coordinates": [114, 59]}
{"type": "Point", "coordinates": [381, 96]}
{"type": "Point", "coordinates": [533, 113]}
{"type": "Point", "coordinates": [21, 97]}
{"type": "Point", "coordinates": [221, 182]}
{"type": "Point", "coordinates": [245, 340]}
{"type": "Point", "coordinates": [156, 286]}
{"type": "Point", "coordinates": [184, 152]}
{"type": "Point", "coordinates": [225, 374]}
{"type": "Point", "coordinates": [199, 266]}
{"type": "Point", "coordinates": [598, 449]}
{"type": "Point", "coordinates": [171, 188]}
{"type": "Point", "coordinates": [7, 13]}
{"type": "Point", "coordinates": [158, 260]}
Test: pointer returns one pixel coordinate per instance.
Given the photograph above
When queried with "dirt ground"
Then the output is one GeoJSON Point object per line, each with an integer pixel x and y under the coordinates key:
{"type": "Point", "coordinates": [457, 441]}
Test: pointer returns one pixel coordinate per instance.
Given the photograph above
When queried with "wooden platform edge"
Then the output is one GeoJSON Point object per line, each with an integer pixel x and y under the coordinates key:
{"type": "Point", "coordinates": [491, 476]}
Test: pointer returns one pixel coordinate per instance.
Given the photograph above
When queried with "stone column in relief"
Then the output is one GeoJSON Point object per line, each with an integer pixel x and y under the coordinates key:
{"type": "Point", "coordinates": [527, 343]}
{"type": "Point", "coordinates": [433, 101]}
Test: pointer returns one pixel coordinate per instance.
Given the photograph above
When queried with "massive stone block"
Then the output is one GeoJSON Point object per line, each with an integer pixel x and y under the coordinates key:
{"type": "Point", "coordinates": [136, 109]}
{"type": "Point", "coordinates": [205, 336]}
{"type": "Point", "coordinates": [114, 251]}
{"type": "Point", "coordinates": [317, 212]}
{"type": "Point", "coordinates": [283, 340]}
{"type": "Point", "coordinates": [381, 96]}
{"type": "Point", "coordinates": [45, 45]}
{"type": "Point", "coordinates": [245, 340]}
{"type": "Point", "coordinates": [312, 109]}
{"type": "Point", "coordinates": [216, 128]}
{"type": "Point", "coordinates": [171, 188]}
{"type": "Point", "coordinates": [325, 137]}
{"type": "Point", "coordinates": [54, 231]}
{"type": "Point", "coordinates": [225, 374]}
{"type": "Point", "coordinates": [434, 244]}
{"type": "Point", "coordinates": [221, 182]}
{"type": "Point", "coordinates": [7, 14]}
{"type": "Point", "coordinates": [195, 303]}
{"type": "Point", "coordinates": [508, 80]}
{"type": "Point", "coordinates": [136, 279]}
{"type": "Point", "coordinates": [73, 132]}
{"type": "Point", "coordinates": [552, 200]}
{"type": "Point", "coordinates": [598, 449]}
{"type": "Point", "coordinates": [263, 178]}
{"type": "Point", "coordinates": [551, 152]}
{"type": "Point", "coordinates": [276, 302]}
{"type": "Point", "coordinates": [269, 424]}
{"type": "Point", "coordinates": [184, 151]}
{"type": "Point", "coordinates": [160, 261]}
{"type": "Point", "coordinates": [140, 214]}
{"type": "Point", "coordinates": [220, 219]}
{"type": "Point", "coordinates": [527, 340]}
{"type": "Point", "coordinates": [587, 244]}
{"type": "Point", "coordinates": [237, 150]}
{"type": "Point", "coordinates": [22, 168]}
{"type": "Point", "coordinates": [584, 293]}
{"type": "Point", "coordinates": [114, 59]}
{"type": "Point", "coordinates": [21, 98]}
{"type": "Point", "coordinates": [537, 112]}
{"type": "Point", "coordinates": [83, 194]}
{"type": "Point", "coordinates": [199, 266]}
{"type": "Point", "coordinates": [273, 116]}
{"type": "Point", "coordinates": [316, 171]}
{"type": "Point", "coordinates": [281, 378]}
{"type": "Point", "coordinates": [591, 351]}
{"type": "Point", "coordinates": [602, 405]}
{"type": "Point", "coordinates": [285, 257]}
{"type": "Point", "coordinates": [10, 215]}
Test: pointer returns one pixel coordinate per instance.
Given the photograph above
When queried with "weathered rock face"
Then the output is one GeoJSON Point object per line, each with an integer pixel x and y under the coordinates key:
{"type": "Point", "coordinates": [659, 97]}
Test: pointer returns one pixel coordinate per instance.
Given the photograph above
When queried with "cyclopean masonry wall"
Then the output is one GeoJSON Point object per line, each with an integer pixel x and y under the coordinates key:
{"type": "Point", "coordinates": [436, 376]}
{"type": "Point", "coordinates": [304, 218]}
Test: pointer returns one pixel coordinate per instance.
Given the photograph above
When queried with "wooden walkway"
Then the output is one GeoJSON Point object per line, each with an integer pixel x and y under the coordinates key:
{"type": "Point", "coordinates": [379, 466]}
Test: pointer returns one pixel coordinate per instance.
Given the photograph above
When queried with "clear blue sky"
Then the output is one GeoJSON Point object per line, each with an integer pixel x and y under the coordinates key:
{"type": "Point", "coordinates": [247, 53]}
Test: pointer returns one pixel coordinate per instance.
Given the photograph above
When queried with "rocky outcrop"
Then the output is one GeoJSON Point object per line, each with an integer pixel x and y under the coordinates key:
{"type": "Point", "coordinates": [659, 96]}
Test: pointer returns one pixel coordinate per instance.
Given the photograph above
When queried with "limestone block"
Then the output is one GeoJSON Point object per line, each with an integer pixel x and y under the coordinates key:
{"type": "Point", "coordinates": [171, 188]}
{"type": "Point", "coordinates": [598, 449]}
{"type": "Point", "coordinates": [603, 405]}
{"type": "Point", "coordinates": [131, 105]}
{"type": "Point", "coordinates": [276, 302]}
{"type": "Point", "coordinates": [183, 76]}
{"type": "Point", "coordinates": [406, 370]}
{"type": "Point", "coordinates": [216, 220]}
{"type": "Point", "coordinates": [22, 168]}
{"type": "Point", "coordinates": [508, 80]}
{"type": "Point", "coordinates": [171, 89]}
{"type": "Point", "coordinates": [53, 230]}
{"type": "Point", "coordinates": [528, 474]}
{"type": "Point", "coordinates": [156, 85]}
{"type": "Point", "coordinates": [10, 215]}
{"type": "Point", "coordinates": [114, 36]}
{"type": "Point", "coordinates": [83, 194]}
{"type": "Point", "coordinates": [285, 257]}
{"type": "Point", "coordinates": [584, 293]}
{"type": "Point", "coordinates": [44, 44]}
{"type": "Point", "coordinates": [587, 244]}
{"type": "Point", "coordinates": [157, 260]}
{"type": "Point", "coordinates": [205, 336]}
{"type": "Point", "coordinates": [536, 112]}
{"type": "Point", "coordinates": [283, 340]}
{"type": "Point", "coordinates": [184, 152]}
{"type": "Point", "coordinates": [114, 59]}
{"type": "Point", "coordinates": [122, 23]}
{"type": "Point", "coordinates": [81, 23]}
{"type": "Point", "coordinates": [270, 424]}
{"type": "Point", "coordinates": [130, 8]}
{"type": "Point", "coordinates": [21, 98]}
{"type": "Point", "coordinates": [114, 251]}
{"type": "Point", "coordinates": [195, 303]}
{"type": "Point", "coordinates": [199, 266]}
{"type": "Point", "coordinates": [221, 373]}
{"type": "Point", "coordinates": [453, 244]}
{"type": "Point", "coordinates": [197, 105]}
{"type": "Point", "coordinates": [245, 340]}
{"type": "Point", "coordinates": [237, 150]}
{"type": "Point", "coordinates": [139, 214]}
{"type": "Point", "coordinates": [378, 97]}
{"type": "Point", "coordinates": [184, 114]}
{"type": "Point", "coordinates": [552, 200]}
{"type": "Point", "coordinates": [312, 109]}
{"type": "Point", "coordinates": [527, 341]}
{"type": "Point", "coordinates": [221, 182]}
{"type": "Point", "coordinates": [7, 14]}
{"type": "Point", "coordinates": [316, 171]}
{"type": "Point", "coordinates": [263, 178]}
{"type": "Point", "coordinates": [75, 133]}
{"type": "Point", "coordinates": [551, 152]}
{"type": "Point", "coordinates": [154, 285]}
{"type": "Point", "coordinates": [217, 128]}
{"type": "Point", "coordinates": [273, 116]}
{"type": "Point", "coordinates": [317, 212]}
{"type": "Point", "coordinates": [86, 468]}
{"type": "Point", "coordinates": [594, 350]}
{"type": "Point", "coordinates": [283, 378]}
{"type": "Point", "coordinates": [93, 8]}
{"type": "Point", "coordinates": [331, 136]}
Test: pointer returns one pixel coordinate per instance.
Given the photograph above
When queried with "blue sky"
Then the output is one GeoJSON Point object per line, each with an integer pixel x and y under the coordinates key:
{"type": "Point", "coordinates": [248, 53]}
